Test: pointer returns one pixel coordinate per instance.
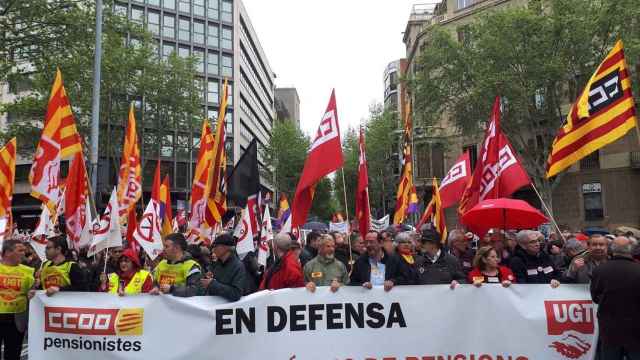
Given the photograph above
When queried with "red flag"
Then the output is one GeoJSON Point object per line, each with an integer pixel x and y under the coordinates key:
{"type": "Point", "coordinates": [254, 213]}
{"type": "Point", "coordinates": [363, 212]}
{"type": "Point", "coordinates": [132, 224]}
{"type": "Point", "coordinates": [453, 184]}
{"type": "Point", "coordinates": [155, 189]}
{"type": "Point", "coordinates": [75, 198]}
{"type": "Point", "coordinates": [325, 157]}
{"type": "Point", "coordinates": [498, 172]}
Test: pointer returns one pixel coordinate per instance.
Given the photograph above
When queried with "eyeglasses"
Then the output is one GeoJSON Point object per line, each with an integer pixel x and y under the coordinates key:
{"type": "Point", "coordinates": [536, 241]}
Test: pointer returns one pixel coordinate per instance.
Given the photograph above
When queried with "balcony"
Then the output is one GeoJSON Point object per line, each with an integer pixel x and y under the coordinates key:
{"type": "Point", "coordinates": [635, 159]}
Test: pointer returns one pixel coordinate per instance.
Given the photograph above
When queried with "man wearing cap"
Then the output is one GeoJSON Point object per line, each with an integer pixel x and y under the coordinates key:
{"type": "Point", "coordinates": [437, 266]}
{"type": "Point", "coordinates": [227, 277]}
{"type": "Point", "coordinates": [286, 272]}
{"type": "Point", "coordinates": [178, 274]}
{"type": "Point", "coordinates": [129, 279]}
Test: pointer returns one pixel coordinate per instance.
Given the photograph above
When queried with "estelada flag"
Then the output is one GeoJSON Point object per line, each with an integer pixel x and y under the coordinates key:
{"type": "Point", "coordinates": [363, 211]}
{"type": "Point", "coordinates": [7, 178]}
{"type": "Point", "coordinates": [604, 112]}
{"type": "Point", "coordinates": [75, 200]}
{"type": "Point", "coordinates": [202, 178]}
{"type": "Point", "coordinates": [59, 140]}
{"type": "Point", "coordinates": [130, 176]}
{"type": "Point", "coordinates": [498, 172]}
{"type": "Point", "coordinates": [453, 184]}
{"type": "Point", "coordinates": [217, 202]}
{"type": "Point", "coordinates": [325, 157]}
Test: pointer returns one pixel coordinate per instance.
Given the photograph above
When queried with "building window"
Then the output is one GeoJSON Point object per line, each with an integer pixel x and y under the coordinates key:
{"type": "Point", "coordinates": [137, 15]}
{"type": "Point", "coordinates": [592, 196]}
{"type": "Point", "coordinates": [212, 63]}
{"type": "Point", "coordinates": [227, 38]}
{"type": "Point", "coordinates": [464, 3]}
{"type": "Point", "coordinates": [184, 27]}
{"type": "Point", "coordinates": [184, 6]}
{"type": "Point", "coordinates": [591, 161]}
{"type": "Point", "coordinates": [213, 35]}
{"type": "Point", "coordinates": [227, 65]}
{"type": "Point", "coordinates": [167, 146]}
{"type": "Point", "coordinates": [198, 7]}
{"type": "Point", "coordinates": [198, 83]}
{"type": "Point", "coordinates": [169, 26]}
{"type": "Point", "coordinates": [212, 114]}
{"type": "Point", "coordinates": [183, 52]}
{"type": "Point", "coordinates": [198, 32]}
{"type": "Point", "coordinates": [170, 4]}
{"type": "Point", "coordinates": [212, 9]}
{"type": "Point", "coordinates": [153, 22]}
{"type": "Point", "coordinates": [230, 95]}
{"type": "Point", "coordinates": [199, 55]}
{"type": "Point", "coordinates": [167, 49]}
{"type": "Point", "coordinates": [181, 175]}
{"type": "Point", "coordinates": [227, 10]}
{"type": "Point", "coordinates": [153, 2]}
{"type": "Point", "coordinates": [228, 121]}
{"type": "Point", "coordinates": [213, 92]}
{"type": "Point", "coordinates": [120, 9]}
{"type": "Point", "coordinates": [473, 155]}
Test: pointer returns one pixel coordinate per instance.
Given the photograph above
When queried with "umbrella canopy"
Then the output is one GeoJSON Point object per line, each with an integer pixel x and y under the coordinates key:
{"type": "Point", "coordinates": [502, 214]}
{"type": "Point", "coordinates": [596, 230]}
{"type": "Point", "coordinates": [315, 225]}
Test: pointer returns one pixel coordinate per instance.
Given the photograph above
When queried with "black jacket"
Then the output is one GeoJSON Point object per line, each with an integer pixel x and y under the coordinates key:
{"type": "Point", "coordinates": [615, 287]}
{"type": "Point", "coordinates": [229, 279]}
{"type": "Point", "coordinates": [407, 273]}
{"type": "Point", "coordinates": [446, 269]}
{"type": "Point", "coordinates": [307, 254]}
{"type": "Point", "coordinates": [530, 269]}
{"type": "Point", "coordinates": [362, 269]}
{"type": "Point", "coordinates": [253, 272]}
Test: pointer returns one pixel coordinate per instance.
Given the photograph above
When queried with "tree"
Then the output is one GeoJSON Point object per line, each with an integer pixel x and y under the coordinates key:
{"type": "Point", "coordinates": [350, 152]}
{"type": "Point", "coordinates": [380, 144]}
{"type": "Point", "coordinates": [537, 58]}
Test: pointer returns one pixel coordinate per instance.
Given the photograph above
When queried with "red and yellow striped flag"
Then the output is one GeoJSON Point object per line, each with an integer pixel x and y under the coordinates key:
{"type": "Point", "coordinates": [217, 203]}
{"type": "Point", "coordinates": [7, 178]}
{"type": "Point", "coordinates": [604, 112]}
{"type": "Point", "coordinates": [434, 213]}
{"type": "Point", "coordinates": [406, 197]}
{"type": "Point", "coordinates": [59, 140]}
{"type": "Point", "coordinates": [130, 177]}
{"type": "Point", "coordinates": [202, 178]}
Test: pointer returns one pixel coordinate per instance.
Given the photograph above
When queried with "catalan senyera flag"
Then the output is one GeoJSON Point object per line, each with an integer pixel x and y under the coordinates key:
{"type": "Point", "coordinates": [217, 201]}
{"type": "Point", "coordinates": [202, 178]}
{"type": "Point", "coordinates": [7, 178]}
{"type": "Point", "coordinates": [603, 113]}
{"type": "Point", "coordinates": [166, 212]}
{"type": "Point", "coordinates": [434, 213]}
{"type": "Point", "coordinates": [130, 176]}
{"type": "Point", "coordinates": [406, 197]}
{"type": "Point", "coordinates": [59, 140]}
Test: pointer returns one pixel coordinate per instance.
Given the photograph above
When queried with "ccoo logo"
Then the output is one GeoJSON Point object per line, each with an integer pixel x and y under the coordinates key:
{"type": "Point", "coordinates": [85, 321]}
{"type": "Point", "coordinates": [569, 321]}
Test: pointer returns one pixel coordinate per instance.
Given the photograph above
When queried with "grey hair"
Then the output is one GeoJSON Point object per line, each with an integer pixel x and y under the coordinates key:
{"type": "Point", "coordinates": [522, 237]}
{"type": "Point", "coordinates": [624, 250]}
{"type": "Point", "coordinates": [325, 238]}
{"type": "Point", "coordinates": [574, 245]}
{"type": "Point", "coordinates": [282, 241]}
{"type": "Point", "coordinates": [403, 236]}
{"type": "Point", "coordinates": [453, 234]}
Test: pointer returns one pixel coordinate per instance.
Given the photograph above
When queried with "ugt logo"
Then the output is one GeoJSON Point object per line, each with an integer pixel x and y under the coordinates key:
{"type": "Point", "coordinates": [569, 322]}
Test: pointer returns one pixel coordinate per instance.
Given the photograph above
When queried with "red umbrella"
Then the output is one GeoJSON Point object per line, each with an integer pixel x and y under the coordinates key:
{"type": "Point", "coordinates": [502, 214]}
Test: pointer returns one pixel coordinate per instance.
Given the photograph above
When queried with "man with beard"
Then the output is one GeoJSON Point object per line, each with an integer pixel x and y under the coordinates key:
{"type": "Point", "coordinates": [324, 269]}
{"type": "Point", "coordinates": [582, 265]}
{"type": "Point", "coordinates": [375, 267]}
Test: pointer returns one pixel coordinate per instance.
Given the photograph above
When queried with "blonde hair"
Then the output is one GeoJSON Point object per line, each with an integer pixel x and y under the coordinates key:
{"type": "Point", "coordinates": [482, 253]}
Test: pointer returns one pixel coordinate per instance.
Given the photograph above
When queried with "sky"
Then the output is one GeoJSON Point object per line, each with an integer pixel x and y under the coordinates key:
{"type": "Point", "coordinates": [315, 46]}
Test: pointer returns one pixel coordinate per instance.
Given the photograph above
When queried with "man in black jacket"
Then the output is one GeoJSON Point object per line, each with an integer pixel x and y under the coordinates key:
{"type": "Point", "coordinates": [375, 267]}
{"type": "Point", "coordinates": [228, 278]}
{"type": "Point", "coordinates": [311, 248]}
{"type": "Point", "coordinates": [530, 264]}
{"type": "Point", "coordinates": [437, 266]}
{"type": "Point", "coordinates": [615, 287]}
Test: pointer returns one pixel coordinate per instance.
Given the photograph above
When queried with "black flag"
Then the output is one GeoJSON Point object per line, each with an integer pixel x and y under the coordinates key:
{"type": "Point", "coordinates": [244, 180]}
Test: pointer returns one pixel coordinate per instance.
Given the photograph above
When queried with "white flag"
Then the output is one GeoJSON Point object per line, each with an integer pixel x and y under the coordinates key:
{"type": "Point", "coordinates": [286, 227]}
{"type": "Point", "coordinates": [266, 236]}
{"type": "Point", "coordinates": [108, 233]}
{"type": "Point", "coordinates": [244, 234]}
{"type": "Point", "coordinates": [4, 221]}
{"type": "Point", "coordinates": [381, 224]}
{"type": "Point", "coordinates": [43, 230]}
{"type": "Point", "coordinates": [147, 233]}
{"type": "Point", "coordinates": [86, 236]}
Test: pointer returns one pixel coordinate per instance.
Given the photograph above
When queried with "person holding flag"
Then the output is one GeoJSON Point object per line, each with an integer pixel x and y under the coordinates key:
{"type": "Point", "coordinates": [130, 278]}
{"type": "Point", "coordinates": [58, 273]}
{"type": "Point", "coordinates": [177, 274]}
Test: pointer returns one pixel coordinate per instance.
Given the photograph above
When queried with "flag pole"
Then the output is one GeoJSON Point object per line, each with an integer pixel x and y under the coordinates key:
{"type": "Point", "coordinates": [546, 208]}
{"type": "Point", "coordinates": [346, 213]}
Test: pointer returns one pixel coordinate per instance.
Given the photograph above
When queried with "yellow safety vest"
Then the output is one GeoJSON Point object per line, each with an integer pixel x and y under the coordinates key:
{"type": "Point", "coordinates": [133, 287]}
{"type": "Point", "coordinates": [55, 275]}
{"type": "Point", "coordinates": [173, 274]}
{"type": "Point", "coordinates": [15, 283]}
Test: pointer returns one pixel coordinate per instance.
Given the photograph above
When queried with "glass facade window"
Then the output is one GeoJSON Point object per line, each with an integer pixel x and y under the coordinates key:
{"type": "Point", "coordinates": [170, 4]}
{"type": "Point", "coordinates": [153, 22]}
{"type": "Point", "coordinates": [198, 32]}
{"type": "Point", "coordinates": [213, 35]}
{"type": "Point", "coordinates": [212, 63]}
{"type": "Point", "coordinates": [198, 83]}
{"type": "Point", "coordinates": [230, 95]}
{"type": "Point", "coordinates": [227, 38]}
{"type": "Point", "coordinates": [184, 27]}
{"type": "Point", "coordinates": [169, 26]}
{"type": "Point", "coordinates": [137, 14]}
{"type": "Point", "coordinates": [167, 146]}
{"type": "Point", "coordinates": [227, 65]}
{"type": "Point", "coordinates": [227, 10]}
{"type": "Point", "coordinates": [198, 7]}
{"type": "Point", "coordinates": [199, 55]}
{"type": "Point", "coordinates": [185, 6]}
{"type": "Point", "coordinates": [153, 2]}
{"type": "Point", "coordinates": [167, 49]}
{"type": "Point", "coordinates": [213, 91]}
{"type": "Point", "coordinates": [212, 9]}
{"type": "Point", "coordinates": [120, 9]}
{"type": "Point", "coordinates": [212, 114]}
{"type": "Point", "coordinates": [184, 52]}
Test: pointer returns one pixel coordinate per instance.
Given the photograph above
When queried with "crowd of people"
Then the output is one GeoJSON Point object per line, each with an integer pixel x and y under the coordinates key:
{"type": "Point", "coordinates": [610, 263]}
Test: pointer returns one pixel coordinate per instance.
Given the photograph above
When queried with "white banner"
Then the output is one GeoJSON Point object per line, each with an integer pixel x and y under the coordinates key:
{"type": "Point", "coordinates": [342, 227]}
{"type": "Point", "coordinates": [380, 224]}
{"type": "Point", "coordinates": [415, 322]}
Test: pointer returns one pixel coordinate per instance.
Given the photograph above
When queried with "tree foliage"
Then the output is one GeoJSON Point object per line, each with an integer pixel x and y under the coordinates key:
{"type": "Point", "coordinates": [537, 58]}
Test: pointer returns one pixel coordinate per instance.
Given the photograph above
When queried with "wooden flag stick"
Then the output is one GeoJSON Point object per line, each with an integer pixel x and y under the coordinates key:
{"type": "Point", "coordinates": [346, 213]}
{"type": "Point", "coordinates": [546, 208]}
